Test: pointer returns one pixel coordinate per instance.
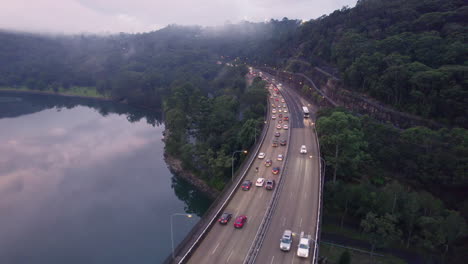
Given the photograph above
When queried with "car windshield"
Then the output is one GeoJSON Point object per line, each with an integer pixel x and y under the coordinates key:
{"type": "Point", "coordinates": [286, 240]}
{"type": "Point", "coordinates": [304, 246]}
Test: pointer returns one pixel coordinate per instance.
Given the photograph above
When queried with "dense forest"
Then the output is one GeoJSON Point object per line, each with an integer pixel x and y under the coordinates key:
{"type": "Point", "coordinates": [379, 174]}
{"type": "Point", "coordinates": [205, 130]}
{"type": "Point", "coordinates": [410, 54]}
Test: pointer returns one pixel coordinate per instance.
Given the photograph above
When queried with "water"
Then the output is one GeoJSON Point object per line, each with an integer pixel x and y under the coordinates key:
{"type": "Point", "coordinates": [84, 181]}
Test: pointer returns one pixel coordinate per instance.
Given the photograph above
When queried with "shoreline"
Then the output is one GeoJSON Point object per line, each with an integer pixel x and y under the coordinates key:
{"type": "Point", "coordinates": [175, 166]}
{"type": "Point", "coordinates": [57, 94]}
{"type": "Point", "coordinates": [173, 163]}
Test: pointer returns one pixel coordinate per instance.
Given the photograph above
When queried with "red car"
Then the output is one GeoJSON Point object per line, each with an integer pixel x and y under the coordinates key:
{"type": "Point", "coordinates": [286, 118]}
{"type": "Point", "coordinates": [240, 221]}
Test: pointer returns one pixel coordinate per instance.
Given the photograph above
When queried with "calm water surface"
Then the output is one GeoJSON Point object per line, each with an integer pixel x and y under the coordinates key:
{"type": "Point", "coordinates": [83, 181]}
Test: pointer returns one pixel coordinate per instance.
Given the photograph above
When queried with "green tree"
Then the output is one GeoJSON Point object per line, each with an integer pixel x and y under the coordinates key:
{"type": "Point", "coordinates": [345, 258]}
{"type": "Point", "coordinates": [381, 230]}
{"type": "Point", "coordinates": [342, 140]}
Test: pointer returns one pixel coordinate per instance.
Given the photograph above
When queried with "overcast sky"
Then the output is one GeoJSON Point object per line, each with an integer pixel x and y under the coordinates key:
{"type": "Point", "coordinates": [102, 16]}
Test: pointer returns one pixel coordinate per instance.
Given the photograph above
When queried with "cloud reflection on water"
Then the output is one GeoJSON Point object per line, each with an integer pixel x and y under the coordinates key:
{"type": "Point", "coordinates": [64, 182]}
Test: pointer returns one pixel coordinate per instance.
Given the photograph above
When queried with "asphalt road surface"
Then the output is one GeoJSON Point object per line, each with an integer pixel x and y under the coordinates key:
{"type": "Point", "coordinates": [297, 208]}
{"type": "Point", "coordinates": [224, 243]}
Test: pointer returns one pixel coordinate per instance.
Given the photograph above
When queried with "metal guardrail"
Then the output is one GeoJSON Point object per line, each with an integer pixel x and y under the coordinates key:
{"type": "Point", "coordinates": [229, 191]}
{"type": "Point", "coordinates": [319, 215]}
{"type": "Point", "coordinates": [261, 232]}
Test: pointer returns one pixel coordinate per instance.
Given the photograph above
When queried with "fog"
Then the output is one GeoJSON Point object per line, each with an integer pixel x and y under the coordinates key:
{"type": "Point", "coordinates": [112, 16]}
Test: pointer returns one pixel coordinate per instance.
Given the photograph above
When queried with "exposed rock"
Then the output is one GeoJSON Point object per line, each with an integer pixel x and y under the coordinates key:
{"type": "Point", "coordinates": [175, 166]}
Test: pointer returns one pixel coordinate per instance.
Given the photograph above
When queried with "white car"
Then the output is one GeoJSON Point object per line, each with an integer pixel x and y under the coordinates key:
{"type": "Point", "coordinates": [273, 111]}
{"type": "Point", "coordinates": [286, 240]}
{"type": "Point", "coordinates": [280, 157]}
{"type": "Point", "coordinates": [303, 247]}
{"type": "Point", "coordinates": [279, 110]}
{"type": "Point", "coordinates": [278, 126]}
{"type": "Point", "coordinates": [260, 182]}
{"type": "Point", "coordinates": [261, 155]}
{"type": "Point", "coordinates": [285, 110]}
{"type": "Point", "coordinates": [282, 100]}
{"type": "Point", "coordinates": [273, 117]}
{"type": "Point", "coordinates": [285, 126]}
{"type": "Point", "coordinates": [303, 149]}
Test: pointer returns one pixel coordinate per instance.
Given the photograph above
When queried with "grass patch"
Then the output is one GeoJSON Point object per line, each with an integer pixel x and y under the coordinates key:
{"type": "Point", "coordinates": [72, 91]}
{"type": "Point", "coordinates": [333, 253]}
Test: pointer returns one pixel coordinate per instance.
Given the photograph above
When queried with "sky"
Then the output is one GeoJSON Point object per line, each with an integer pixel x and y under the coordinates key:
{"type": "Point", "coordinates": [132, 16]}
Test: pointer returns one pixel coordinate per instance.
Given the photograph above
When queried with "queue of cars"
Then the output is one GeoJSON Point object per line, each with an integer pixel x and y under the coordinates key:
{"type": "Point", "coordinates": [286, 240]}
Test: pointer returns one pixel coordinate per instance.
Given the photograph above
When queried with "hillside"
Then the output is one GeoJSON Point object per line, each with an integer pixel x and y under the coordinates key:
{"type": "Point", "coordinates": [410, 54]}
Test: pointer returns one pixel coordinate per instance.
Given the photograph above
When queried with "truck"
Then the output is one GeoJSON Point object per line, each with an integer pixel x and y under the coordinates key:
{"type": "Point", "coordinates": [304, 245]}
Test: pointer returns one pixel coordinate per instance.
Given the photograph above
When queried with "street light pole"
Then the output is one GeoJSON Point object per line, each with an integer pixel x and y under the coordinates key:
{"type": "Point", "coordinates": [324, 162]}
{"type": "Point", "coordinates": [232, 162]}
{"type": "Point", "coordinates": [172, 234]}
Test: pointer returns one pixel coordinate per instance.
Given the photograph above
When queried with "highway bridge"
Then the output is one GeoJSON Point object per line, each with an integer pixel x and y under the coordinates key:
{"type": "Point", "coordinates": [293, 204]}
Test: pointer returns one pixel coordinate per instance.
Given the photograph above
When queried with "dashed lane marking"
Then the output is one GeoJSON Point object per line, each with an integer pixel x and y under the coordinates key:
{"type": "Point", "coordinates": [214, 250]}
{"type": "Point", "coordinates": [227, 261]}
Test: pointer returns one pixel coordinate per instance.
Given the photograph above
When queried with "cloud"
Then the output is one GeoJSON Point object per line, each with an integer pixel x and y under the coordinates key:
{"type": "Point", "coordinates": [98, 16]}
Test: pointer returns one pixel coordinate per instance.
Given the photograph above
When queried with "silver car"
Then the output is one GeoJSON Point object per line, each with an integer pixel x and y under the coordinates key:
{"type": "Point", "coordinates": [286, 240]}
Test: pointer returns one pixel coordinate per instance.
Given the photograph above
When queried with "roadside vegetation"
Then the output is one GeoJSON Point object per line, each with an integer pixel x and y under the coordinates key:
{"type": "Point", "coordinates": [384, 182]}
{"type": "Point", "coordinates": [205, 130]}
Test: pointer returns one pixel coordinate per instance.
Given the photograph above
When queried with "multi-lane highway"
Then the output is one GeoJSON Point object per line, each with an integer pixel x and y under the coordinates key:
{"type": "Point", "coordinates": [297, 208]}
{"type": "Point", "coordinates": [298, 204]}
{"type": "Point", "coordinates": [224, 243]}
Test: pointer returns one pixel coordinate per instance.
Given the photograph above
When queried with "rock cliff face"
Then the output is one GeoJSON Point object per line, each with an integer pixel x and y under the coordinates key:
{"type": "Point", "coordinates": [175, 166]}
{"type": "Point", "coordinates": [327, 90]}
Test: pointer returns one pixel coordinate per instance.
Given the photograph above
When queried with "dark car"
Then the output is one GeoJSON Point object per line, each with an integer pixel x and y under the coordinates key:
{"type": "Point", "coordinates": [246, 185]}
{"type": "Point", "coordinates": [224, 219]}
{"type": "Point", "coordinates": [283, 142]}
{"type": "Point", "coordinates": [240, 221]}
{"type": "Point", "coordinates": [277, 134]}
{"type": "Point", "coordinates": [270, 184]}
{"type": "Point", "coordinates": [280, 115]}
{"type": "Point", "coordinates": [275, 170]}
{"type": "Point", "coordinates": [268, 163]}
{"type": "Point", "coordinates": [275, 143]}
{"type": "Point", "coordinates": [286, 118]}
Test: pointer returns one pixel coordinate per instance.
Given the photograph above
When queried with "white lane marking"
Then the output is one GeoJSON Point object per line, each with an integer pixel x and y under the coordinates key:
{"type": "Point", "coordinates": [227, 261]}
{"type": "Point", "coordinates": [291, 195]}
{"type": "Point", "coordinates": [292, 261]}
{"type": "Point", "coordinates": [272, 259]}
{"type": "Point", "coordinates": [300, 223]}
{"type": "Point", "coordinates": [284, 221]}
{"type": "Point", "coordinates": [214, 250]}
{"type": "Point", "coordinates": [237, 213]}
